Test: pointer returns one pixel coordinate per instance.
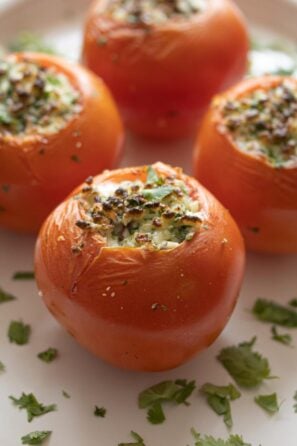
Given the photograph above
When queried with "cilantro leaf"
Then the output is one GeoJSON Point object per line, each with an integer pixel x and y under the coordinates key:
{"type": "Point", "coordinates": [36, 437]}
{"type": "Point", "coordinates": [234, 440]}
{"type": "Point", "coordinates": [275, 313]}
{"type": "Point", "coordinates": [155, 414]}
{"type": "Point", "coordinates": [157, 193]}
{"type": "Point", "coordinates": [18, 332]}
{"type": "Point", "coordinates": [295, 399]}
{"type": "Point", "coordinates": [6, 297]}
{"type": "Point", "coordinates": [138, 440]}
{"type": "Point", "coordinates": [247, 368]}
{"type": "Point", "coordinates": [152, 176]}
{"type": "Point", "coordinates": [285, 339]}
{"type": "Point", "coordinates": [32, 406]}
{"type": "Point", "coordinates": [176, 392]}
{"type": "Point", "coordinates": [100, 411]}
{"type": "Point", "coordinates": [48, 355]}
{"type": "Point", "coordinates": [219, 397]}
{"type": "Point", "coordinates": [268, 402]}
{"type": "Point", "coordinates": [2, 367]}
{"type": "Point", "coordinates": [23, 275]}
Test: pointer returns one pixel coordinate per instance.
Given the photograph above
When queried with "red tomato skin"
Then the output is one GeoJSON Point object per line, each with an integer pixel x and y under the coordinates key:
{"type": "Point", "coordinates": [262, 199]}
{"type": "Point", "coordinates": [40, 171]}
{"type": "Point", "coordinates": [163, 79]}
{"type": "Point", "coordinates": [105, 297]}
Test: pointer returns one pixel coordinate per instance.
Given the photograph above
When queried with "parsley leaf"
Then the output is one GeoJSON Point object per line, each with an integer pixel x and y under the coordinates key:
{"type": "Point", "coordinates": [100, 411]}
{"type": "Point", "coordinates": [268, 402]}
{"type": "Point", "coordinates": [33, 407]}
{"type": "Point", "coordinates": [18, 332]}
{"type": "Point", "coordinates": [139, 441]}
{"type": "Point", "coordinates": [48, 355]}
{"type": "Point", "coordinates": [23, 275]}
{"type": "Point", "coordinates": [152, 176]}
{"type": "Point", "coordinates": [2, 367]}
{"type": "Point", "coordinates": [176, 392]}
{"type": "Point", "coordinates": [36, 437]}
{"type": "Point", "coordinates": [285, 339]}
{"type": "Point", "coordinates": [234, 440]}
{"type": "Point", "coordinates": [219, 397]}
{"type": "Point", "coordinates": [6, 297]}
{"type": "Point", "coordinates": [157, 193]}
{"type": "Point", "coordinates": [275, 313]}
{"type": "Point", "coordinates": [247, 368]}
{"type": "Point", "coordinates": [295, 399]}
{"type": "Point", "coordinates": [293, 302]}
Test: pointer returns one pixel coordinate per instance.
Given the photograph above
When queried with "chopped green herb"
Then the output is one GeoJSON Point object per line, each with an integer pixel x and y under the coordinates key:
{"type": "Point", "coordinates": [2, 367]}
{"type": "Point", "coordinates": [152, 176]}
{"type": "Point", "coordinates": [6, 297]}
{"type": "Point", "coordinates": [295, 399]}
{"type": "Point", "coordinates": [32, 406]}
{"type": "Point", "coordinates": [268, 402]}
{"type": "Point", "coordinates": [100, 411]}
{"type": "Point", "coordinates": [247, 368]}
{"type": "Point", "coordinates": [219, 397]}
{"type": "Point", "coordinates": [275, 313]}
{"type": "Point", "coordinates": [36, 437]}
{"type": "Point", "coordinates": [139, 441]}
{"type": "Point", "coordinates": [18, 332]}
{"type": "Point", "coordinates": [27, 41]}
{"type": "Point", "coordinates": [24, 275]}
{"type": "Point", "coordinates": [65, 394]}
{"type": "Point", "coordinates": [48, 355]}
{"type": "Point", "coordinates": [234, 440]}
{"type": "Point", "coordinates": [285, 339]}
{"type": "Point", "coordinates": [157, 193]}
{"type": "Point", "coordinates": [176, 392]}
{"type": "Point", "coordinates": [293, 302]}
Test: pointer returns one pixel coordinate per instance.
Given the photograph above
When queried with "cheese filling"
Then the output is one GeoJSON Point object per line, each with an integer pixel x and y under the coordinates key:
{"type": "Point", "coordinates": [156, 214]}
{"type": "Point", "coordinates": [153, 11]}
{"type": "Point", "coordinates": [35, 99]}
{"type": "Point", "coordinates": [264, 123]}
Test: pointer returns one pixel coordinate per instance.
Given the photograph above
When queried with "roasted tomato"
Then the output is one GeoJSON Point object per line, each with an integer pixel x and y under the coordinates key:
{"type": "Point", "coordinates": [246, 155]}
{"type": "Point", "coordinates": [142, 266]}
{"type": "Point", "coordinates": [163, 61]}
{"type": "Point", "coordinates": [58, 124]}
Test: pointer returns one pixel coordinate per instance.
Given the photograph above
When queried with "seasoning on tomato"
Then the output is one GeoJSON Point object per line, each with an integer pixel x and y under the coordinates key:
{"type": "Point", "coordinates": [164, 60]}
{"type": "Point", "coordinates": [142, 266]}
{"type": "Point", "coordinates": [58, 124]}
{"type": "Point", "coordinates": [246, 155]}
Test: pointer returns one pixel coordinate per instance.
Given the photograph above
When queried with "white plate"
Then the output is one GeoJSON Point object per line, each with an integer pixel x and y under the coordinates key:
{"type": "Point", "coordinates": [88, 380]}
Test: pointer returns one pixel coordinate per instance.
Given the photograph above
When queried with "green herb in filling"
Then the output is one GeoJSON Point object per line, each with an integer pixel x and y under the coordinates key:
{"type": "Point", "coordinates": [149, 12]}
{"type": "Point", "coordinates": [264, 123]}
{"type": "Point", "coordinates": [159, 213]}
{"type": "Point", "coordinates": [34, 99]}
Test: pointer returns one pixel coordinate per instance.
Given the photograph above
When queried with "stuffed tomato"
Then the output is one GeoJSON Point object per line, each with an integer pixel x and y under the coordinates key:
{"type": "Point", "coordinates": [142, 266]}
{"type": "Point", "coordinates": [246, 155]}
{"type": "Point", "coordinates": [163, 61]}
{"type": "Point", "coordinates": [58, 124]}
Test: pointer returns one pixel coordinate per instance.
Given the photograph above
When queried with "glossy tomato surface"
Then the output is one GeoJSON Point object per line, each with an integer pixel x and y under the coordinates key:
{"type": "Point", "coordinates": [136, 308]}
{"type": "Point", "coordinates": [261, 197]}
{"type": "Point", "coordinates": [163, 76]}
{"type": "Point", "coordinates": [38, 171]}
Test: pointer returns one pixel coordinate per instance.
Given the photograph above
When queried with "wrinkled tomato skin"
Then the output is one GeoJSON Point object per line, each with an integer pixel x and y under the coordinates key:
{"type": "Point", "coordinates": [261, 198]}
{"type": "Point", "coordinates": [38, 172]}
{"type": "Point", "coordinates": [163, 77]}
{"type": "Point", "coordinates": [134, 308]}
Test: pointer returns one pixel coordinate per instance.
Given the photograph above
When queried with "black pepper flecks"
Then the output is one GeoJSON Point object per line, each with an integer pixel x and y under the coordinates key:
{"type": "Point", "coordinates": [264, 123]}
